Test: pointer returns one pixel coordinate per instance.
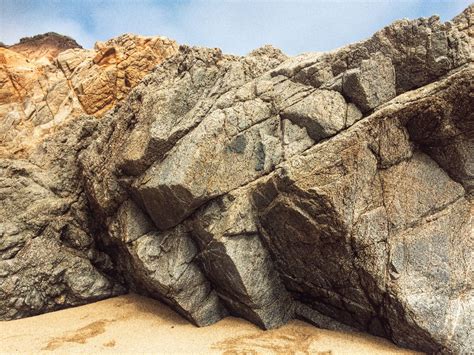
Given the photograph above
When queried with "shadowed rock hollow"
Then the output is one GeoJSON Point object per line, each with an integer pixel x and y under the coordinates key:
{"type": "Point", "coordinates": [334, 187]}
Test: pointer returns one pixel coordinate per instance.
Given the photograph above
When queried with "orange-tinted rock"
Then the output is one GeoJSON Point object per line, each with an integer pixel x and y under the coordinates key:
{"type": "Point", "coordinates": [45, 45]}
{"type": "Point", "coordinates": [48, 79]}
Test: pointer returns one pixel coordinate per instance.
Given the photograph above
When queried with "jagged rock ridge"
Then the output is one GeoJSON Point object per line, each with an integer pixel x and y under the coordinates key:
{"type": "Point", "coordinates": [45, 82]}
{"type": "Point", "coordinates": [335, 187]}
{"type": "Point", "coordinates": [48, 44]}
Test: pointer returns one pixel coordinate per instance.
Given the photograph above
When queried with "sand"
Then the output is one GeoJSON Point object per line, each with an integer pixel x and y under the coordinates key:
{"type": "Point", "coordinates": [133, 324]}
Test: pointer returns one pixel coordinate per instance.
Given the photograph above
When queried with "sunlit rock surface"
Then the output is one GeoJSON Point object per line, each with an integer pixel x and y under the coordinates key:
{"type": "Point", "coordinates": [334, 187]}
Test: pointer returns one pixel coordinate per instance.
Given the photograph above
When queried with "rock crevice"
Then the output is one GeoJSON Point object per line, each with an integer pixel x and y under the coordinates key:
{"type": "Point", "coordinates": [333, 187]}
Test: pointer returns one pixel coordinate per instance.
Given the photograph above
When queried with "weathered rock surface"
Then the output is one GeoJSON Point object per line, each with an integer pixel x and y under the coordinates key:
{"type": "Point", "coordinates": [386, 233]}
{"type": "Point", "coordinates": [47, 249]}
{"type": "Point", "coordinates": [47, 45]}
{"type": "Point", "coordinates": [162, 265]}
{"type": "Point", "coordinates": [49, 79]}
{"type": "Point", "coordinates": [48, 258]}
{"type": "Point", "coordinates": [235, 260]}
{"type": "Point", "coordinates": [334, 187]}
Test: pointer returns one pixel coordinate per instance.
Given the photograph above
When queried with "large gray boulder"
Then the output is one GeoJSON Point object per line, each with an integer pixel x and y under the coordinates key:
{"type": "Point", "coordinates": [384, 229]}
{"type": "Point", "coordinates": [237, 263]}
{"type": "Point", "coordinates": [308, 188]}
{"type": "Point", "coordinates": [162, 265]}
{"type": "Point", "coordinates": [334, 187]}
{"type": "Point", "coordinates": [48, 254]}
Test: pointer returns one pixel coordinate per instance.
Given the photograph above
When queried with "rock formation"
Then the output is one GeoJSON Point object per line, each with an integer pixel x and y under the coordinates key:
{"type": "Point", "coordinates": [334, 187]}
{"type": "Point", "coordinates": [48, 79]}
{"type": "Point", "coordinates": [47, 45]}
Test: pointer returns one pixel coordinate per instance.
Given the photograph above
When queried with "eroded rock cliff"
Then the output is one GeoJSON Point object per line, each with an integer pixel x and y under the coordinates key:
{"type": "Point", "coordinates": [48, 79]}
{"type": "Point", "coordinates": [49, 256]}
{"type": "Point", "coordinates": [334, 187]}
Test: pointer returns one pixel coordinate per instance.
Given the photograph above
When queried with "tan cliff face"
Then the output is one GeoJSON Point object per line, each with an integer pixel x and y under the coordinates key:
{"type": "Point", "coordinates": [465, 22]}
{"type": "Point", "coordinates": [47, 81]}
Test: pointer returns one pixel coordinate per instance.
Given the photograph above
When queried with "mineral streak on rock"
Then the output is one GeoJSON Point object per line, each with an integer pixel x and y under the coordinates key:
{"type": "Point", "coordinates": [334, 187]}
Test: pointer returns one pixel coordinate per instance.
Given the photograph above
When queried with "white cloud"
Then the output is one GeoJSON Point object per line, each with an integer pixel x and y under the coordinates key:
{"type": "Point", "coordinates": [294, 26]}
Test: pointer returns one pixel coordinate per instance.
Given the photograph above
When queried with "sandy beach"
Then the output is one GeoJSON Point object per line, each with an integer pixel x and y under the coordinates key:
{"type": "Point", "coordinates": [132, 324]}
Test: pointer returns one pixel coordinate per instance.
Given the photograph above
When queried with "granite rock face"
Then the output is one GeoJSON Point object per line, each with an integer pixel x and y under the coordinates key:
{"type": "Point", "coordinates": [333, 187]}
{"type": "Point", "coordinates": [48, 253]}
{"type": "Point", "coordinates": [49, 79]}
{"type": "Point", "coordinates": [48, 256]}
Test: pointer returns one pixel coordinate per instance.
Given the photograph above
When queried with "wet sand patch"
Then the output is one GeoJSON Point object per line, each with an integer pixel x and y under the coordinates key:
{"type": "Point", "coordinates": [79, 336]}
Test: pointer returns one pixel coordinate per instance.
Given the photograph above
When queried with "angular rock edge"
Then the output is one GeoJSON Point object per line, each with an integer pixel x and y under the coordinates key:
{"type": "Point", "coordinates": [333, 187]}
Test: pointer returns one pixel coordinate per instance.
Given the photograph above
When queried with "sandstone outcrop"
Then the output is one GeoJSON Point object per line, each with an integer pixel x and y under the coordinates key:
{"type": "Point", "coordinates": [335, 187]}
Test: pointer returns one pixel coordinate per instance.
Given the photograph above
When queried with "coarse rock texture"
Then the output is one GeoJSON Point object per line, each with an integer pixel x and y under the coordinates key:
{"type": "Point", "coordinates": [464, 22]}
{"type": "Point", "coordinates": [49, 79]}
{"type": "Point", "coordinates": [48, 258]}
{"type": "Point", "coordinates": [48, 255]}
{"type": "Point", "coordinates": [334, 187]}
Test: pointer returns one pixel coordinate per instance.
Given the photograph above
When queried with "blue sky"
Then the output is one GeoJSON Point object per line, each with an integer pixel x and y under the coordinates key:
{"type": "Point", "coordinates": [235, 26]}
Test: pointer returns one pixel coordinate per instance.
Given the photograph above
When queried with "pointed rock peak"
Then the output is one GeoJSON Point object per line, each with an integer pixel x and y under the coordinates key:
{"type": "Point", "coordinates": [268, 51]}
